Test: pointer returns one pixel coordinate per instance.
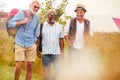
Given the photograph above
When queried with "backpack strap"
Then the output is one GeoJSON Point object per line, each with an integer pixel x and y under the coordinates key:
{"type": "Point", "coordinates": [39, 46]}
{"type": "Point", "coordinates": [25, 12]}
{"type": "Point", "coordinates": [41, 26]}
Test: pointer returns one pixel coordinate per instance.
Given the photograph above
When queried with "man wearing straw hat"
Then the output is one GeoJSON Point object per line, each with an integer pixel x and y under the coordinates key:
{"type": "Point", "coordinates": [77, 31]}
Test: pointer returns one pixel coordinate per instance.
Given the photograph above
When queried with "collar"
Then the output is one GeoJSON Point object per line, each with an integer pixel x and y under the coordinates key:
{"type": "Point", "coordinates": [46, 23]}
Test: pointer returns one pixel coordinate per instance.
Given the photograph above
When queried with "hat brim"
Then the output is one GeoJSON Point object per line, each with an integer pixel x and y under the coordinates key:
{"type": "Point", "coordinates": [80, 9]}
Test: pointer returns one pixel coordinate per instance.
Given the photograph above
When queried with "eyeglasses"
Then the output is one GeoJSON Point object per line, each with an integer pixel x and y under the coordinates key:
{"type": "Point", "coordinates": [54, 15]}
{"type": "Point", "coordinates": [36, 7]}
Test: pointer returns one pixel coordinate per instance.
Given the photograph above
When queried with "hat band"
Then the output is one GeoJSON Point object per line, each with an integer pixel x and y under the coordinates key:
{"type": "Point", "coordinates": [80, 8]}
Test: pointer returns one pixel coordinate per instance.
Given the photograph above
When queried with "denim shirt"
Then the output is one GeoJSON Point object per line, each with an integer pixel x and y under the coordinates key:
{"type": "Point", "coordinates": [27, 33]}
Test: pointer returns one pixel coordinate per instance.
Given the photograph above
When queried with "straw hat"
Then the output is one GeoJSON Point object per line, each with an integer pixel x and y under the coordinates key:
{"type": "Point", "coordinates": [80, 6]}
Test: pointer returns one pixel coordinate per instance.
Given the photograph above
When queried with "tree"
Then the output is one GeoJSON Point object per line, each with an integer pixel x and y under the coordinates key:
{"type": "Point", "coordinates": [2, 5]}
{"type": "Point", "coordinates": [60, 9]}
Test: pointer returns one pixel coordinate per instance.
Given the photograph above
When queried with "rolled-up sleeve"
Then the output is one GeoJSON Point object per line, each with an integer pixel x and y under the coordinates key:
{"type": "Point", "coordinates": [19, 16]}
{"type": "Point", "coordinates": [11, 24]}
{"type": "Point", "coordinates": [61, 32]}
{"type": "Point", "coordinates": [66, 29]}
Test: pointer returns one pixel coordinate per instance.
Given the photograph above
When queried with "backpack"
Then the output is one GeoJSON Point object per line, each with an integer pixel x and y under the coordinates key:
{"type": "Point", "coordinates": [40, 36]}
{"type": "Point", "coordinates": [72, 31]}
{"type": "Point", "coordinates": [13, 30]}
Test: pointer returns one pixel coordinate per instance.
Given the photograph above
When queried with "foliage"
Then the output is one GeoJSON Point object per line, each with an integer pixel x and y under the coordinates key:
{"type": "Point", "coordinates": [6, 49]}
{"type": "Point", "coordinates": [60, 9]}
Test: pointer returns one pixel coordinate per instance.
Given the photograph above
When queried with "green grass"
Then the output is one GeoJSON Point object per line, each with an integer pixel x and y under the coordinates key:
{"type": "Point", "coordinates": [7, 73]}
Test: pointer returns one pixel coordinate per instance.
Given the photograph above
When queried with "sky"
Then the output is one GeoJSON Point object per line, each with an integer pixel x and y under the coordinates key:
{"type": "Point", "coordinates": [20, 4]}
{"type": "Point", "coordinates": [94, 7]}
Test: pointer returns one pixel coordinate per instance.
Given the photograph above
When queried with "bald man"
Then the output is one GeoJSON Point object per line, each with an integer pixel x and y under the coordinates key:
{"type": "Point", "coordinates": [52, 45]}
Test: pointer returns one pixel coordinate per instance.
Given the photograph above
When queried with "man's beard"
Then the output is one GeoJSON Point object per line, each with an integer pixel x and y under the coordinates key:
{"type": "Point", "coordinates": [31, 10]}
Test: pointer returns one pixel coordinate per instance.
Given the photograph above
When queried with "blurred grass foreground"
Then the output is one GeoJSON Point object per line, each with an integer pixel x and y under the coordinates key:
{"type": "Point", "coordinates": [108, 45]}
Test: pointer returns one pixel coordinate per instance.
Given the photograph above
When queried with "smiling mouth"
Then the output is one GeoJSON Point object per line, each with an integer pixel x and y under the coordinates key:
{"type": "Point", "coordinates": [53, 20]}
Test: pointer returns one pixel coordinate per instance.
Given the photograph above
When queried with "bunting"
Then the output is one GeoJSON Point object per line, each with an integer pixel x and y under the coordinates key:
{"type": "Point", "coordinates": [117, 22]}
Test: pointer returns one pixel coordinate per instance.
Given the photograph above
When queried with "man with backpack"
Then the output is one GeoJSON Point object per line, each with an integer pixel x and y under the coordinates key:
{"type": "Point", "coordinates": [52, 45]}
{"type": "Point", "coordinates": [25, 38]}
{"type": "Point", "coordinates": [78, 31]}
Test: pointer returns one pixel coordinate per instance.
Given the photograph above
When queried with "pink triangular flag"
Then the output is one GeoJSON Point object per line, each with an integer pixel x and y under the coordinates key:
{"type": "Point", "coordinates": [117, 22]}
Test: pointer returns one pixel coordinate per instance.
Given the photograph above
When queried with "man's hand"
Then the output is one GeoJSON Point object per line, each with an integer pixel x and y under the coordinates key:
{"type": "Point", "coordinates": [39, 54]}
{"type": "Point", "coordinates": [24, 21]}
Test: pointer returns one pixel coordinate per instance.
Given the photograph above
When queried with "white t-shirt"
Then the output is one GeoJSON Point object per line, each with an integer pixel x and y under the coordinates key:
{"type": "Point", "coordinates": [79, 39]}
